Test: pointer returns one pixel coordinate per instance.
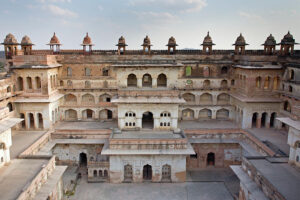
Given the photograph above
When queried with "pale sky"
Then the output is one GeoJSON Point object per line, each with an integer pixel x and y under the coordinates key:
{"type": "Point", "coordinates": [187, 20]}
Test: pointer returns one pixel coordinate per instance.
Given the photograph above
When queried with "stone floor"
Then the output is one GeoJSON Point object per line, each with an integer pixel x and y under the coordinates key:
{"type": "Point", "coordinates": [79, 125]}
{"type": "Point", "coordinates": [23, 139]}
{"type": "Point", "coordinates": [207, 184]}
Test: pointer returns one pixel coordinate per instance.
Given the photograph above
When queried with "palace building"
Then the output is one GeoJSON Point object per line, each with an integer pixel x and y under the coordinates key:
{"type": "Point", "coordinates": [152, 115]}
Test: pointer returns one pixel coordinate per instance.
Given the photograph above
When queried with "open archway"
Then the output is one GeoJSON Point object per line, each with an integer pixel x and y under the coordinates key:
{"type": "Point", "coordinates": [147, 120]}
{"type": "Point", "coordinates": [82, 159]}
{"type": "Point", "coordinates": [131, 80]}
{"type": "Point", "coordinates": [162, 80]}
{"type": "Point", "coordinates": [147, 80]}
{"type": "Point", "coordinates": [147, 172]}
{"type": "Point", "coordinates": [210, 160]}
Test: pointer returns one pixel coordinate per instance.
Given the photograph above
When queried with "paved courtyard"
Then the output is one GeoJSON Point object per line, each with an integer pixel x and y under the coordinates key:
{"type": "Point", "coordinates": [206, 184]}
{"type": "Point", "coordinates": [150, 191]}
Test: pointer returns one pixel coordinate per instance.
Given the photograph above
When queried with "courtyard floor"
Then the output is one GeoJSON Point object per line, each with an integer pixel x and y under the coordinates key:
{"type": "Point", "coordinates": [207, 184]}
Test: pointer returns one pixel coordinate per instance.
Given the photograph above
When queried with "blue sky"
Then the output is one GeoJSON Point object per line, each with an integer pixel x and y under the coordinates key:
{"type": "Point", "coordinates": [187, 20]}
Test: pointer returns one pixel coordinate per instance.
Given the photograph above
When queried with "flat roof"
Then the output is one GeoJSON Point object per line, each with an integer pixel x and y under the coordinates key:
{"type": "Point", "coordinates": [142, 134]}
{"type": "Point", "coordinates": [7, 123]}
{"type": "Point", "coordinates": [39, 100]}
{"type": "Point", "coordinates": [35, 66]}
{"type": "Point", "coordinates": [259, 67]}
{"type": "Point", "coordinates": [282, 176]}
{"type": "Point", "coordinates": [17, 175]}
{"type": "Point", "coordinates": [166, 100]}
{"type": "Point", "coordinates": [290, 122]}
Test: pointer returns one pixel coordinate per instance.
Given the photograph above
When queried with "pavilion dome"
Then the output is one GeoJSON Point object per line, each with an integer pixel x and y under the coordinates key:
{"type": "Point", "coordinates": [87, 40]}
{"type": "Point", "coordinates": [10, 39]}
{"type": "Point", "coordinates": [240, 41]}
{"type": "Point", "coordinates": [288, 39]}
{"type": "Point", "coordinates": [147, 41]}
{"type": "Point", "coordinates": [54, 40]}
{"type": "Point", "coordinates": [172, 42]}
{"type": "Point", "coordinates": [207, 40]}
{"type": "Point", "coordinates": [270, 41]}
{"type": "Point", "coordinates": [121, 42]}
{"type": "Point", "coordinates": [26, 41]}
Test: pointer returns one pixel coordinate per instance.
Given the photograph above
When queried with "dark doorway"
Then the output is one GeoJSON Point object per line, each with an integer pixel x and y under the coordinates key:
{"type": "Point", "coordinates": [272, 119]}
{"type": "Point", "coordinates": [147, 172]}
{"type": "Point", "coordinates": [109, 114]}
{"type": "Point", "coordinates": [127, 173]}
{"type": "Point", "coordinates": [147, 121]}
{"type": "Point", "coordinates": [89, 114]}
{"type": "Point", "coordinates": [22, 116]}
{"type": "Point", "coordinates": [254, 120]}
{"type": "Point", "coordinates": [263, 119]}
{"type": "Point", "coordinates": [82, 159]}
{"type": "Point", "coordinates": [210, 159]}
{"type": "Point", "coordinates": [166, 173]}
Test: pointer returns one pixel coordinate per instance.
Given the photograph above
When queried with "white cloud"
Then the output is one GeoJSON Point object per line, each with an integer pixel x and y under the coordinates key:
{"type": "Point", "coordinates": [249, 15]}
{"type": "Point", "coordinates": [58, 11]}
{"type": "Point", "coordinates": [182, 6]}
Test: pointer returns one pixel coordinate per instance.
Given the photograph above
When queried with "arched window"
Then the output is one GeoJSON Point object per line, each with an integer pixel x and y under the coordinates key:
{"type": "Point", "coordinates": [69, 71]}
{"type": "Point", "coordinates": [258, 82]}
{"type": "Point", "coordinates": [10, 107]}
{"type": "Point", "coordinates": [267, 83]}
{"type": "Point", "coordinates": [287, 106]}
{"type": "Point", "coordinates": [38, 82]}
{"type": "Point", "coordinates": [162, 80]}
{"type": "Point", "coordinates": [131, 80]}
{"type": "Point", "coordinates": [189, 97]}
{"type": "Point", "coordinates": [292, 74]}
{"type": "Point", "coordinates": [29, 83]}
{"type": "Point", "coordinates": [147, 80]}
{"type": "Point", "coordinates": [87, 71]}
{"type": "Point", "coordinates": [224, 70]}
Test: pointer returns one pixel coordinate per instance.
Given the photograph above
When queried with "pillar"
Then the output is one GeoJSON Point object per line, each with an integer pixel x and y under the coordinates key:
{"type": "Point", "coordinates": [79, 114]}
{"type": "Point", "coordinates": [154, 82]}
{"type": "Point", "coordinates": [139, 83]}
{"type": "Point", "coordinates": [36, 120]}
{"type": "Point", "coordinates": [156, 123]}
{"type": "Point", "coordinates": [27, 120]}
{"type": "Point", "coordinates": [139, 122]}
{"type": "Point", "coordinates": [214, 114]}
{"type": "Point", "coordinates": [6, 155]}
{"type": "Point", "coordinates": [258, 121]}
{"type": "Point", "coordinates": [196, 114]}
{"type": "Point", "coordinates": [268, 118]}
{"type": "Point", "coordinates": [214, 99]}
{"type": "Point", "coordinates": [197, 99]}
{"type": "Point", "coordinates": [174, 123]}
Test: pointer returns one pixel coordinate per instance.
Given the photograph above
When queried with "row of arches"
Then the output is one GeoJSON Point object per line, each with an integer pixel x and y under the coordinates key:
{"type": "Point", "coordinates": [88, 114]}
{"type": "Point", "coordinates": [262, 120]}
{"type": "Point", "coordinates": [203, 71]}
{"type": "Point", "coordinates": [53, 81]}
{"type": "Point", "coordinates": [205, 114]}
{"type": "Point", "coordinates": [32, 121]}
{"type": "Point", "coordinates": [100, 173]}
{"type": "Point", "coordinates": [88, 71]}
{"type": "Point", "coordinates": [29, 83]}
{"type": "Point", "coordinates": [147, 173]}
{"type": "Point", "coordinates": [266, 83]}
{"type": "Point", "coordinates": [147, 80]}
{"type": "Point", "coordinates": [87, 98]}
{"type": "Point", "coordinates": [206, 98]}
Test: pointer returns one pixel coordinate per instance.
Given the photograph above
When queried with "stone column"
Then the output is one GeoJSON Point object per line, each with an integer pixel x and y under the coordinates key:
{"type": "Point", "coordinates": [258, 121]}
{"type": "Point", "coordinates": [268, 118]}
{"type": "Point", "coordinates": [156, 123]}
{"type": "Point", "coordinates": [139, 83]}
{"type": "Point", "coordinates": [154, 82]}
{"type": "Point", "coordinates": [214, 99]}
{"type": "Point", "coordinates": [6, 155]}
{"type": "Point", "coordinates": [24, 84]}
{"type": "Point", "coordinates": [213, 114]}
{"type": "Point", "coordinates": [139, 122]}
{"type": "Point", "coordinates": [174, 123]}
{"type": "Point", "coordinates": [36, 120]}
{"type": "Point", "coordinates": [96, 114]}
{"type": "Point", "coordinates": [27, 121]}
{"type": "Point", "coordinates": [79, 114]}
{"type": "Point", "coordinates": [196, 114]}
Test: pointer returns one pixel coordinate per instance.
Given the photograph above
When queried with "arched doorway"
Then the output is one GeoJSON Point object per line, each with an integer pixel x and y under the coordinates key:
{"type": "Point", "coordinates": [210, 159]}
{"type": "Point", "coordinates": [263, 119]}
{"type": "Point", "coordinates": [162, 80]}
{"type": "Point", "coordinates": [147, 172]}
{"type": "Point", "coordinates": [128, 173]}
{"type": "Point", "coordinates": [166, 173]}
{"type": "Point", "coordinates": [147, 80]}
{"type": "Point", "coordinates": [254, 119]}
{"type": "Point", "coordinates": [131, 80]}
{"type": "Point", "coordinates": [272, 119]}
{"type": "Point", "coordinates": [147, 121]}
{"type": "Point", "coordinates": [10, 107]}
{"type": "Point", "coordinates": [82, 159]}
{"type": "Point", "coordinates": [22, 116]}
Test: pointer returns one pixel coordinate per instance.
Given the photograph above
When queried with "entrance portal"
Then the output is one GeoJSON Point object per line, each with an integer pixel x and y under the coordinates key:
{"type": "Point", "coordinates": [147, 121]}
{"type": "Point", "coordinates": [82, 159]}
{"type": "Point", "coordinates": [147, 172]}
{"type": "Point", "coordinates": [210, 159]}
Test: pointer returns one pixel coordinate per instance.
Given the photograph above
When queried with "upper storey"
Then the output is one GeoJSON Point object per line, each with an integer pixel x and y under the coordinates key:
{"type": "Point", "coordinates": [286, 47]}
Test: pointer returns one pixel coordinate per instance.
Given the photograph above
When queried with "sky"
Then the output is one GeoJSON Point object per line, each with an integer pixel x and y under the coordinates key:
{"type": "Point", "coordinates": [187, 20]}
